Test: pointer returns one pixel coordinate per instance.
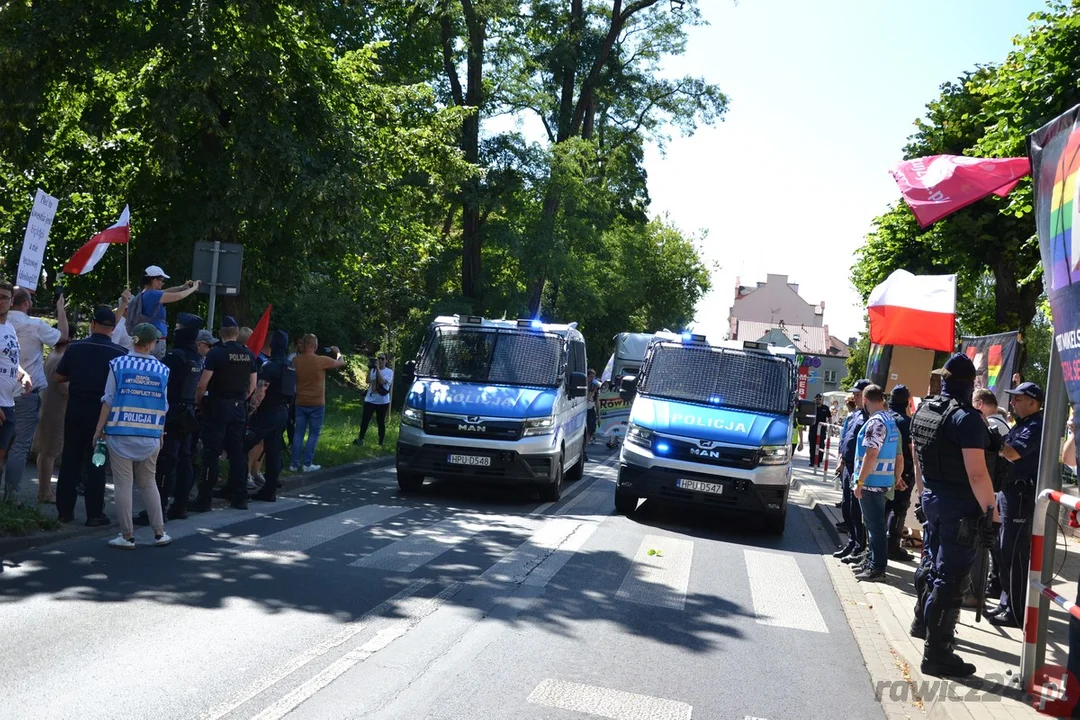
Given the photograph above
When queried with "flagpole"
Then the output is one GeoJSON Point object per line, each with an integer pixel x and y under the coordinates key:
{"type": "Point", "coordinates": [127, 271]}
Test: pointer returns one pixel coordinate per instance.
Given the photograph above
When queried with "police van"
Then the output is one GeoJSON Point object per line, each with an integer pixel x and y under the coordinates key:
{"type": "Point", "coordinates": [502, 401]}
{"type": "Point", "coordinates": [711, 425]}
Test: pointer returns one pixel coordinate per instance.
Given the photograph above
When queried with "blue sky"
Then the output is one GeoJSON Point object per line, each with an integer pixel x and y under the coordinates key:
{"type": "Point", "coordinates": [823, 95]}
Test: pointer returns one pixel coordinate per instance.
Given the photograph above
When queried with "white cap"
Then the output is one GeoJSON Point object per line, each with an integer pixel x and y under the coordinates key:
{"type": "Point", "coordinates": [155, 271]}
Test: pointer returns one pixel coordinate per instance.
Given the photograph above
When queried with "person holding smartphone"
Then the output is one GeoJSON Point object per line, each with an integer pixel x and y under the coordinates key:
{"type": "Point", "coordinates": [377, 400]}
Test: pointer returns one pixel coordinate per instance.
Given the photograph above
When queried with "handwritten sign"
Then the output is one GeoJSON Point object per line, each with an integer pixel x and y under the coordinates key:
{"type": "Point", "coordinates": [614, 414]}
{"type": "Point", "coordinates": [37, 236]}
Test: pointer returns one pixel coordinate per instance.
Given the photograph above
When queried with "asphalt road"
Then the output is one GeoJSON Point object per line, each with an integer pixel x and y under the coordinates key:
{"type": "Point", "coordinates": [350, 600]}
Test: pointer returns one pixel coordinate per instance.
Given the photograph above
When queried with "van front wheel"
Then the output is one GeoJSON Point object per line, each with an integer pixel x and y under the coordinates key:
{"type": "Point", "coordinates": [551, 492]}
{"type": "Point", "coordinates": [625, 502]}
{"type": "Point", "coordinates": [774, 524]}
{"type": "Point", "coordinates": [410, 482]}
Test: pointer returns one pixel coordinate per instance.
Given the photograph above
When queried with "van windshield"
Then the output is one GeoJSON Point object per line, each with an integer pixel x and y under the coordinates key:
{"type": "Point", "coordinates": [720, 377]}
{"type": "Point", "coordinates": [493, 355]}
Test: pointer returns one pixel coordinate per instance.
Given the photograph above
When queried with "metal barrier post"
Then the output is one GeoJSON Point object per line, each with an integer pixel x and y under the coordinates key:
{"type": "Point", "coordinates": [1040, 573]}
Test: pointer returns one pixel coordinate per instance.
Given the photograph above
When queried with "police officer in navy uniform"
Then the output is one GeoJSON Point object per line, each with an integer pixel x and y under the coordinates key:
{"type": "Point", "coordinates": [855, 550]}
{"type": "Point", "coordinates": [950, 438]}
{"type": "Point", "coordinates": [175, 469]}
{"type": "Point", "coordinates": [277, 387]}
{"type": "Point", "coordinates": [229, 377]}
{"type": "Point", "coordinates": [897, 509]}
{"type": "Point", "coordinates": [1016, 503]}
{"type": "Point", "coordinates": [85, 367]}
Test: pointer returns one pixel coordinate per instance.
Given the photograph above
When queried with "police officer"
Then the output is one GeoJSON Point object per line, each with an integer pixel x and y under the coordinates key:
{"type": "Point", "coordinates": [229, 376]}
{"type": "Point", "coordinates": [1016, 503]}
{"type": "Point", "coordinates": [897, 508]}
{"type": "Point", "coordinates": [85, 367]}
{"type": "Point", "coordinates": [950, 439]}
{"type": "Point", "coordinates": [854, 551]}
{"type": "Point", "coordinates": [185, 364]}
{"type": "Point", "coordinates": [277, 387]}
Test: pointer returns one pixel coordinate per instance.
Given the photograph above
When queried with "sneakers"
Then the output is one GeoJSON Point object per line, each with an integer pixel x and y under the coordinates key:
{"type": "Point", "coordinates": [870, 575]}
{"type": "Point", "coordinates": [122, 542]}
{"type": "Point", "coordinates": [843, 552]}
{"type": "Point", "coordinates": [99, 521]}
{"type": "Point", "coordinates": [294, 468]}
{"type": "Point", "coordinates": [312, 468]}
{"type": "Point", "coordinates": [258, 478]}
{"type": "Point", "coordinates": [252, 485]}
{"type": "Point", "coordinates": [160, 540]}
{"type": "Point", "coordinates": [856, 558]}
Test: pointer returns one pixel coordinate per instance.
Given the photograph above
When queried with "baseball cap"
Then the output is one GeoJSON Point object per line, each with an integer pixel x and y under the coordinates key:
{"type": "Point", "coordinates": [155, 271]}
{"type": "Point", "coordinates": [861, 385]}
{"type": "Point", "coordinates": [189, 320]}
{"type": "Point", "coordinates": [900, 394]}
{"type": "Point", "coordinates": [960, 367]}
{"type": "Point", "coordinates": [103, 315]}
{"type": "Point", "coordinates": [1030, 389]}
{"type": "Point", "coordinates": [229, 321]}
{"type": "Point", "coordinates": [145, 333]}
{"type": "Point", "coordinates": [207, 337]}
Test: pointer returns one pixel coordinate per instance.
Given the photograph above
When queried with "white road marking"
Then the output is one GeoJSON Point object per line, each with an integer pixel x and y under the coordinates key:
{"type": "Point", "coordinates": [607, 703]}
{"type": "Point", "coordinates": [781, 596]}
{"type": "Point", "coordinates": [291, 545]}
{"type": "Point", "coordinates": [517, 566]}
{"type": "Point", "coordinates": [280, 672]}
{"type": "Point", "coordinates": [204, 522]}
{"type": "Point", "coordinates": [332, 672]}
{"type": "Point", "coordinates": [662, 577]}
{"type": "Point", "coordinates": [428, 543]}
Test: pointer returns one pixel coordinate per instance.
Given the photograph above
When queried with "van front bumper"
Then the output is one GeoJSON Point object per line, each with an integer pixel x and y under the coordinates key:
{"type": "Point", "coordinates": [532, 461]}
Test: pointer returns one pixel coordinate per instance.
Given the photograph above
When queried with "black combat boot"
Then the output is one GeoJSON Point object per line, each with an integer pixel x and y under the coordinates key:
{"type": "Point", "coordinates": [942, 615]}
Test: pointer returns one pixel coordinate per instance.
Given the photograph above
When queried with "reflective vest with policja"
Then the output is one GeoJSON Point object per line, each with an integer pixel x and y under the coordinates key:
{"type": "Point", "coordinates": [140, 403]}
{"type": "Point", "coordinates": [883, 472]}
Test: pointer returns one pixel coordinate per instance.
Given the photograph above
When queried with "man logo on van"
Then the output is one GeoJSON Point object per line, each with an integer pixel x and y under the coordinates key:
{"type": "Point", "coordinates": [466, 427]}
{"type": "Point", "coordinates": [698, 452]}
{"type": "Point", "coordinates": [708, 422]}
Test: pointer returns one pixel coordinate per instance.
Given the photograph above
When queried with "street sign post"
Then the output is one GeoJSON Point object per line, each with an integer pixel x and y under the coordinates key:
{"type": "Point", "coordinates": [218, 267]}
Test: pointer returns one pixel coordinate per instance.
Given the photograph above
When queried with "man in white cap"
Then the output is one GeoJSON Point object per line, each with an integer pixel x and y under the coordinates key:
{"type": "Point", "coordinates": [148, 305]}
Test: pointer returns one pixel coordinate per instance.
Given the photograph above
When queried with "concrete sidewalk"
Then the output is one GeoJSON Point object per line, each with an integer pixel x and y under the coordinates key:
{"type": "Point", "coordinates": [994, 692]}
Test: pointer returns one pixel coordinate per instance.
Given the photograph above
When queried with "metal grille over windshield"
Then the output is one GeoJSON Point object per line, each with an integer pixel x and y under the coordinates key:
{"type": "Point", "coordinates": [719, 376]}
{"type": "Point", "coordinates": [490, 355]}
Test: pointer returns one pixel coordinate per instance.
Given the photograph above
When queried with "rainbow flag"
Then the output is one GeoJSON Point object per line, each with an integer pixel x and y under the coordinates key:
{"type": "Point", "coordinates": [993, 367]}
{"type": "Point", "coordinates": [1065, 215]}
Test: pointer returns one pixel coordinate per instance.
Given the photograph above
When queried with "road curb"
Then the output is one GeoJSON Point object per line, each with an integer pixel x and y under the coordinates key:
{"type": "Point", "coordinates": [22, 543]}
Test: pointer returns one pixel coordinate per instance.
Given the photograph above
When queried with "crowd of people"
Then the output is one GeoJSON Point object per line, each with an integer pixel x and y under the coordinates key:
{"type": "Point", "coordinates": [138, 399]}
{"type": "Point", "coordinates": [973, 475]}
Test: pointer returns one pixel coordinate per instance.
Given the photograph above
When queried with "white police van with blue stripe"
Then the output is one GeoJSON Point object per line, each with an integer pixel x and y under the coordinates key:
{"type": "Point", "coordinates": [502, 401]}
{"type": "Point", "coordinates": [711, 425]}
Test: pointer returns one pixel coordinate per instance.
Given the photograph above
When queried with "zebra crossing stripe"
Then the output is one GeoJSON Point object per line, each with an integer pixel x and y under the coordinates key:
{"type": "Point", "coordinates": [291, 545]}
{"type": "Point", "coordinates": [423, 546]}
{"type": "Point", "coordinates": [516, 566]}
{"type": "Point", "coordinates": [660, 573]}
{"type": "Point", "coordinates": [606, 703]}
{"type": "Point", "coordinates": [781, 596]}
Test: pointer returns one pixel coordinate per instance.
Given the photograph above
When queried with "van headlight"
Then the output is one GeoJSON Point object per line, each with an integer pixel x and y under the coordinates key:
{"type": "Point", "coordinates": [638, 435]}
{"type": "Point", "coordinates": [774, 454]}
{"type": "Point", "coordinates": [412, 416]}
{"type": "Point", "coordinates": [539, 426]}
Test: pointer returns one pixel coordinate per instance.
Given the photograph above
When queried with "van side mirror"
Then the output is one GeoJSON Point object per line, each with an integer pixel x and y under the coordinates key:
{"type": "Point", "coordinates": [579, 385]}
{"type": "Point", "coordinates": [410, 372]}
{"type": "Point", "coordinates": [628, 387]}
{"type": "Point", "coordinates": [806, 413]}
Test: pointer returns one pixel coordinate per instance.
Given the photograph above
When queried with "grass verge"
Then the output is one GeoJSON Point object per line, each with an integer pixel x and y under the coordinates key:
{"type": "Point", "coordinates": [23, 520]}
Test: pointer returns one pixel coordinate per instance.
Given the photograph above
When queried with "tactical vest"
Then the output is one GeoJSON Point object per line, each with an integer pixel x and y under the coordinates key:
{"type": "Point", "coordinates": [140, 402]}
{"type": "Point", "coordinates": [185, 381]}
{"type": "Point", "coordinates": [281, 376]}
{"type": "Point", "coordinates": [232, 381]}
{"type": "Point", "coordinates": [884, 470]}
{"type": "Point", "coordinates": [997, 466]}
{"type": "Point", "coordinates": [941, 460]}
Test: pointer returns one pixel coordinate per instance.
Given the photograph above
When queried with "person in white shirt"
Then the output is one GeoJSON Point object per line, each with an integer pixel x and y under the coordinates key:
{"type": "Point", "coordinates": [11, 377]}
{"type": "Point", "coordinates": [33, 335]}
{"type": "Point", "coordinates": [377, 400]}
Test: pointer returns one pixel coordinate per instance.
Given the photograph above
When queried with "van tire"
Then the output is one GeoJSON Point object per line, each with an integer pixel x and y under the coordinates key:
{"type": "Point", "coordinates": [774, 523]}
{"type": "Point", "coordinates": [410, 482]}
{"type": "Point", "coordinates": [552, 491]}
{"type": "Point", "coordinates": [575, 473]}
{"type": "Point", "coordinates": [625, 502]}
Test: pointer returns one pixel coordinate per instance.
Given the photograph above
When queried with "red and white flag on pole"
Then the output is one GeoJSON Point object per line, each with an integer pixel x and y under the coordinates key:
{"type": "Point", "coordinates": [86, 257]}
{"type": "Point", "coordinates": [938, 185]}
{"type": "Point", "coordinates": [914, 311]}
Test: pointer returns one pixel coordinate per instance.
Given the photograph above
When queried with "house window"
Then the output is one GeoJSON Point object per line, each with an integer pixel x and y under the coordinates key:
{"type": "Point", "coordinates": [830, 376]}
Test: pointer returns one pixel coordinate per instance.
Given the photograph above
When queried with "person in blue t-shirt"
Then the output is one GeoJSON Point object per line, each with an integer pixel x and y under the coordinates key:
{"type": "Point", "coordinates": [149, 305]}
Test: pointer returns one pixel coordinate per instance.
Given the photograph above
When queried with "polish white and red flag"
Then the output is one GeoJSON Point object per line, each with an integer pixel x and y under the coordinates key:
{"type": "Point", "coordinates": [86, 257]}
{"type": "Point", "coordinates": [914, 311]}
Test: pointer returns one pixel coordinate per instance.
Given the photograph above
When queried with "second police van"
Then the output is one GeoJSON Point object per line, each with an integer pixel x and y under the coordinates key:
{"type": "Point", "coordinates": [711, 425]}
{"type": "Point", "coordinates": [502, 401]}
